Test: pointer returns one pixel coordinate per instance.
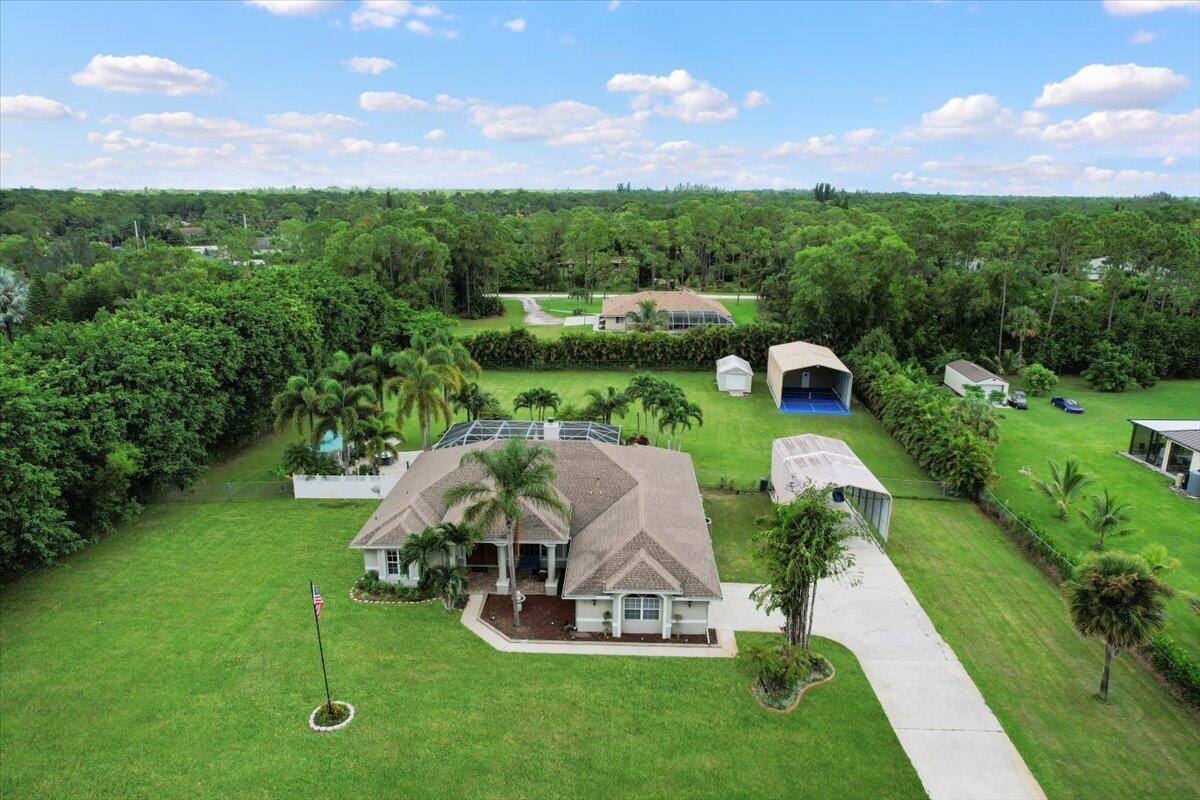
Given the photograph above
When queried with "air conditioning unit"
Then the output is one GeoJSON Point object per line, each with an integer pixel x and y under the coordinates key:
{"type": "Point", "coordinates": [550, 431]}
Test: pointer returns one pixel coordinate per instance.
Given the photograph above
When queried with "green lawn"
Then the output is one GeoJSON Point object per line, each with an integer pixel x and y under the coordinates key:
{"type": "Point", "coordinates": [176, 658]}
{"type": "Point", "coordinates": [565, 306]}
{"type": "Point", "coordinates": [733, 523]}
{"type": "Point", "coordinates": [1029, 438]}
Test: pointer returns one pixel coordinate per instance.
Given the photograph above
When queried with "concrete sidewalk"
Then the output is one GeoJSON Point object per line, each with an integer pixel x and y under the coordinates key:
{"type": "Point", "coordinates": [951, 736]}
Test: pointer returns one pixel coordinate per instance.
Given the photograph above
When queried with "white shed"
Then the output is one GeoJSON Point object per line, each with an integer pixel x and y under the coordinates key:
{"type": "Point", "coordinates": [734, 374]}
{"type": "Point", "coordinates": [813, 460]}
{"type": "Point", "coordinates": [962, 373]}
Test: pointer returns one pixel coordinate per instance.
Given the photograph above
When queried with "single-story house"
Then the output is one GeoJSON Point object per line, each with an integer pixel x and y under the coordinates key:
{"type": "Point", "coordinates": [798, 462]}
{"type": "Point", "coordinates": [636, 544]}
{"type": "Point", "coordinates": [962, 373]}
{"type": "Point", "coordinates": [1168, 445]}
{"type": "Point", "coordinates": [683, 308]}
{"type": "Point", "coordinates": [808, 378]}
{"type": "Point", "coordinates": [734, 374]}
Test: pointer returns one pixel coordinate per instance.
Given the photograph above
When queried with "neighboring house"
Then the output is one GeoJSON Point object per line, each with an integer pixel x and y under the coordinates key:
{"type": "Point", "coordinates": [962, 373]}
{"type": "Point", "coordinates": [734, 374]}
{"type": "Point", "coordinates": [684, 309]}
{"type": "Point", "coordinates": [206, 250]}
{"type": "Point", "coordinates": [1168, 445]}
{"type": "Point", "coordinates": [811, 460]}
{"type": "Point", "coordinates": [189, 231]}
{"type": "Point", "coordinates": [808, 378]}
{"type": "Point", "coordinates": [636, 545]}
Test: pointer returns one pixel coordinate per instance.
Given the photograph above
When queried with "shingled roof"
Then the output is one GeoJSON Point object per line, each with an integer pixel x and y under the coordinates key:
{"type": "Point", "coordinates": [682, 300]}
{"type": "Point", "coordinates": [636, 524]}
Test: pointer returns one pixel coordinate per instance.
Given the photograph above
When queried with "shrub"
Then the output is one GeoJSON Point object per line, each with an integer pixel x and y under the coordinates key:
{"type": "Point", "coordinates": [1039, 380]}
{"type": "Point", "coordinates": [486, 305]}
{"type": "Point", "coordinates": [1111, 370]}
{"type": "Point", "coordinates": [1177, 665]}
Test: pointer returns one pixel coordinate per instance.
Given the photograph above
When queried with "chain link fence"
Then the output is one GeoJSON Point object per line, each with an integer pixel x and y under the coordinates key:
{"type": "Point", "coordinates": [231, 491]}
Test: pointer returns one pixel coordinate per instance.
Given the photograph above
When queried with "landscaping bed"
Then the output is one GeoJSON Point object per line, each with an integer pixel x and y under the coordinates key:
{"type": "Point", "coordinates": [546, 618]}
{"type": "Point", "coordinates": [822, 672]}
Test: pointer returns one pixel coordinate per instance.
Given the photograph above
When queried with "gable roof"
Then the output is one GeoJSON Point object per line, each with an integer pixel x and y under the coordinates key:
{"type": "Point", "coordinates": [642, 573]}
{"type": "Point", "coordinates": [682, 300]}
{"type": "Point", "coordinates": [973, 372]}
{"type": "Point", "coordinates": [798, 355]}
{"type": "Point", "coordinates": [734, 363]}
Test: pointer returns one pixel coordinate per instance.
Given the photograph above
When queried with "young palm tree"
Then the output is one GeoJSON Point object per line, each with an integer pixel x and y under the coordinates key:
{"type": "Point", "coordinates": [514, 475]}
{"type": "Point", "coordinates": [1107, 516]}
{"type": "Point", "coordinates": [1064, 484]}
{"type": "Point", "coordinates": [340, 408]}
{"type": "Point", "coordinates": [376, 434]}
{"type": "Point", "coordinates": [606, 404]}
{"type": "Point", "coordinates": [297, 403]}
{"type": "Point", "coordinates": [546, 399]}
{"type": "Point", "coordinates": [525, 399]}
{"type": "Point", "coordinates": [423, 549]}
{"type": "Point", "coordinates": [379, 365]}
{"type": "Point", "coordinates": [647, 317]}
{"type": "Point", "coordinates": [419, 387]}
{"type": "Point", "coordinates": [345, 371]}
{"type": "Point", "coordinates": [1024, 323]}
{"type": "Point", "coordinates": [474, 400]}
{"type": "Point", "coordinates": [447, 582]}
{"type": "Point", "coordinates": [1115, 597]}
{"type": "Point", "coordinates": [680, 414]}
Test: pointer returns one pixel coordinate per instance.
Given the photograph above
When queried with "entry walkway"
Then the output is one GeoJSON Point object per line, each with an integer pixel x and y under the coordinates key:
{"type": "Point", "coordinates": [951, 736]}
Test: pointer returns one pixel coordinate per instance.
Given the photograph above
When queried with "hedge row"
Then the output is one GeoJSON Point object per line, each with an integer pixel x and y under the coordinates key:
{"type": "Point", "coordinates": [696, 348]}
{"type": "Point", "coordinates": [97, 415]}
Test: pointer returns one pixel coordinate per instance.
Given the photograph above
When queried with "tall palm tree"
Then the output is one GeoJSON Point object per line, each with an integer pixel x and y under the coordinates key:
{"type": "Point", "coordinates": [603, 405]}
{"type": "Point", "coordinates": [375, 435]}
{"type": "Point", "coordinates": [514, 475]}
{"type": "Point", "coordinates": [448, 357]}
{"type": "Point", "coordinates": [296, 403]}
{"type": "Point", "coordinates": [340, 408]}
{"type": "Point", "coordinates": [680, 414]}
{"type": "Point", "coordinates": [1064, 484]}
{"type": "Point", "coordinates": [1107, 516]}
{"type": "Point", "coordinates": [646, 317]}
{"type": "Point", "coordinates": [1024, 323]}
{"type": "Point", "coordinates": [526, 399]}
{"type": "Point", "coordinates": [546, 399]}
{"type": "Point", "coordinates": [345, 371]}
{"type": "Point", "coordinates": [420, 389]}
{"type": "Point", "coordinates": [378, 365]}
{"type": "Point", "coordinates": [1115, 597]}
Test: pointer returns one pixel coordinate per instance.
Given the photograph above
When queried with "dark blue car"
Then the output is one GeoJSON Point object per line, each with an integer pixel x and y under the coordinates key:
{"type": "Point", "coordinates": [1066, 404]}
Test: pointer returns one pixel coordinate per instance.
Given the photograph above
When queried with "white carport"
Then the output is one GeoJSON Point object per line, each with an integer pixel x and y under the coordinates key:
{"type": "Point", "coordinates": [734, 374]}
{"type": "Point", "coordinates": [804, 368]}
{"type": "Point", "coordinates": [811, 460]}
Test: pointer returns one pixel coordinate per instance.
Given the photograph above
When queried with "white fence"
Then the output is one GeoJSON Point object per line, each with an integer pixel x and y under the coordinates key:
{"type": "Point", "coordinates": [353, 487]}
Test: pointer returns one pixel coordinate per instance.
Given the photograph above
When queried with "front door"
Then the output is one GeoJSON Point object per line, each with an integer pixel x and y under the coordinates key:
{"type": "Point", "coordinates": [804, 379]}
{"type": "Point", "coordinates": [483, 555]}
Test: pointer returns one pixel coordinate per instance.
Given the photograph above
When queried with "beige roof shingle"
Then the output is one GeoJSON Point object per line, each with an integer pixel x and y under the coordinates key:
{"type": "Point", "coordinates": [682, 300]}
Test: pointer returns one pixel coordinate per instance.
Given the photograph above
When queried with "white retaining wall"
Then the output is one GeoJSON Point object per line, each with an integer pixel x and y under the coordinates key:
{"type": "Point", "coordinates": [342, 487]}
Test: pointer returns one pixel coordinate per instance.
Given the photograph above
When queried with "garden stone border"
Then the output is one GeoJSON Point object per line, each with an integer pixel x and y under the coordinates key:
{"type": "Point", "coordinates": [803, 690]}
{"type": "Point", "coordinates": [396, 602]}
{"type": "Point", "coordinates": [312, 718]}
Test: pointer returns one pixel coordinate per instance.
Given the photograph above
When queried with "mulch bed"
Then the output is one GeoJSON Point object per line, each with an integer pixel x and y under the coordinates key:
{"type": "Point", "coordinates": [544, 617]}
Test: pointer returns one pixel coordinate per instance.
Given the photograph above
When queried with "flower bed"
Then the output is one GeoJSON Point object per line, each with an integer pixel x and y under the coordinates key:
{"type": "Point", "coordinates": [329, 717]}
{"type": "Point", "coordinates": [822, 672]}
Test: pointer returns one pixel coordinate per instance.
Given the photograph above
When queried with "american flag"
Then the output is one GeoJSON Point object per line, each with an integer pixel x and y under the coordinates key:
{"type": "Point", "coordinates": [318, 601]}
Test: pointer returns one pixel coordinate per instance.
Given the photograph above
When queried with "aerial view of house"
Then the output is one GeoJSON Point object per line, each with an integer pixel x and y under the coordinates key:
{"type": "Point", "coordinates": [960, 374]}
{"type": "Point", "coordinates": [680, 310]}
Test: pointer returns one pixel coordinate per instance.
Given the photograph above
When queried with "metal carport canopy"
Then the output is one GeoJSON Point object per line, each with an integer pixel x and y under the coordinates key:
{"type": "Point", "coordinates": [813, 460]}
{"type": "Point", "coordinates": [785, 358]}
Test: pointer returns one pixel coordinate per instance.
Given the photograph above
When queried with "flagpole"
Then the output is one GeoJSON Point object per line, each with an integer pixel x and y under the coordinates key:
{"type": "Point", "coordinates": [320, 646]}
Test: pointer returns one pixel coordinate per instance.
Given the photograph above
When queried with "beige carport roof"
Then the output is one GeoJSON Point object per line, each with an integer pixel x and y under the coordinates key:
{"type": "Point", "coordinates": [813, 460]}
{"type": "Point", "coordinates": [783, 358]}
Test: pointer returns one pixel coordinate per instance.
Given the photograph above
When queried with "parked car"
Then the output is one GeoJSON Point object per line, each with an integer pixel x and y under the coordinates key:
{"type": "Point", "coordinates": [1066, 404]}
{"type": "Point", "coordinates": [1017, 400]}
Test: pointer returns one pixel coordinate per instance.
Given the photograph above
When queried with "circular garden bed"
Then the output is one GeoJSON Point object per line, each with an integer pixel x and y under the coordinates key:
{"type": "Point", "coordinates": [785, 702]}
{"type": "Point", "coordinates": [329, 717]}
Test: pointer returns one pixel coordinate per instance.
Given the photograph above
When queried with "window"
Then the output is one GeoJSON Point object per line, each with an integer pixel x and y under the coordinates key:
{"type": "Point", "coordinates": [393, 561]}
{"type": "Point", "coordinates": [642, 606]}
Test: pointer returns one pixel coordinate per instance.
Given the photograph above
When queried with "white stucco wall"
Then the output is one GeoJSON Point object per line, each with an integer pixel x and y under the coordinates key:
{"type": "Point", "coordinates": [589, 617]}
{"type": "Point", "coordinates": [342, 487]}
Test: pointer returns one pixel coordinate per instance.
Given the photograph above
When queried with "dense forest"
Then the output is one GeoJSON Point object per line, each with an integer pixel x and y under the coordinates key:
{"type": "Point", "coordinates": [144, 330]}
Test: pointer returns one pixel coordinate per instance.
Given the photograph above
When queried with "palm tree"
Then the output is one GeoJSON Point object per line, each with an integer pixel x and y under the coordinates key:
{"type": "Point", "coordinates": [345, 371]}
{"type": "Point", "coordinates": [419, 387]}
{"type": "Point", "coordinates": [1115, 597]}
{"type": "Point", "coordinates": [1024, 323]}
{"type": "Point", "coordinates": [379, 365]}
{"type": "Point", "coordinates": [514, 475]}
{"type": "Point", "coordinates": [1107, 516]}
{"type": "Point", "coordinates": [605, 404]}
{"type": "Point", "coordinates": [447, 582]}
{"type": "Point", "coordinates": [680, 414]}
{"type": "Point", "coordinates": [376, 435]}
{"type": "Point", "coordinates": [1064, 484]}
{"type": "Point", "coordinates": [525, 399]}
{"type": "Point", "coordinates": [449, 358]}
{"type": "Point", "coordinates": [422, 549]}
{"type": "Point", "coordinates": [340, 408]}
{"type": "Point", "coordinates": [546, 399]}
{"type": "Point", "coordinates": [474, 400]}
{"type": "Point", "coordinates": [647, 316]}
{"type": "Point", "coordinates": [14, 301]}
{"type": "Point", "coordinates": [297, 402]}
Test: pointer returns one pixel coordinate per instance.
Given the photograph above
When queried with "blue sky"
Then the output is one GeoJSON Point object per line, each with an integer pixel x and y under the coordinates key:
{"type": "Point", "coordinates": [962, 97]}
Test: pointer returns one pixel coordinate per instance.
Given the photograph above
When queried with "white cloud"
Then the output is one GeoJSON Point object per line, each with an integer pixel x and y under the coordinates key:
{"type": "Point", "coordinates": [420, 154]}
{"type": "Point", "coordinates": [388, 13]}
{"type": "Point", "coordinates": [853, 152]}
{"type": "Point", "coordinates": [368, 65]}
{"type": "Point", "coordinates": [144, 74]}
{"type": "Point", "coordinates": [322, 121]}
{"type": "Point", "coordinates": [1128, 8]}
{"type": "Point", "coordinates": [397, 101]}
{"type": "Point", "coordinates": [1144, 37]}
{"type": "Point", "coordinates": [1037, 174]}
{"type": "Point", "coordinates": [755, 99]}
{"type": "Point", "coordinates": [419, 27]}
{"type": "Point", "coordinates": [976, 115]}
{"type": "Point", "coordinates": [293, 7]}
{"type": "Point", "coordinates": [566, 122]}
{"type": "Point", "coordinates": [31, 107]}
{"type": "Point", "coordinates": [516, 25]}
{"type": "Point", "coordinates": [435, 135]}
{"type": "Point", "coordinates": [1113, 86]}
{"type": "Point", "coordinates": [613, 5]}
{"type": "Point", "coordinates": [860, 136]}
{"type": "Point", "coordinates": [187, 124]}
{"type": "Point", "coordinates": [677, 95]}
{"type": "Point", "coordinates": [1150, 132]}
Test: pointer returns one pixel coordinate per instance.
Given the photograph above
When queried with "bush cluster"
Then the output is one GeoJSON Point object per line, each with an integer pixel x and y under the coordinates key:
{"type": "Point", "coordinates": [1114, 369]}
{"type": "Point", "coordinates": [371, 584]}
{"type": "Point", "coordinates": [1039, 381]}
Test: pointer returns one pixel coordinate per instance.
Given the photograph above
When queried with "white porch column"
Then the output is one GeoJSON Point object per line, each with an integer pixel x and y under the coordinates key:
{"type": "Point", "coordinates": [1166, 456]}
{"type": "Point", "coordinates": [502, 561]}
{"type": "Point", "coordinates": [414, 573]}
{"type": "Point", "coordinates": [618, 613]}
{"type": "Point", "coordinates": [667, 622]}
{"type": "Point", "coordinates": [551, 570]}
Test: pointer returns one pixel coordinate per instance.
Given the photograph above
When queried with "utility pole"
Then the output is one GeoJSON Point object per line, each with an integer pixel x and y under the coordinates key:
{"type": "Point", "coordinates": [244, 225]}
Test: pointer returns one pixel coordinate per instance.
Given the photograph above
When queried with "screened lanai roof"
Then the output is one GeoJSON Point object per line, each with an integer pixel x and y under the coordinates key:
{"type": "Point", "coordinates": [483, 430]}
{"type": "Point", "coordinates": [682, 319]}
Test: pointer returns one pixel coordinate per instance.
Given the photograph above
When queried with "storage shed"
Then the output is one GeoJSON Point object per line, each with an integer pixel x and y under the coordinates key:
{"type": "Point", "coordinates": [962, 373]}
{"type": "Point", "coordinates": [798, 462]}
{"type": "Point", "coordinates": [807, 378]}
{"type": "Point", "coordinates": [734, 374]}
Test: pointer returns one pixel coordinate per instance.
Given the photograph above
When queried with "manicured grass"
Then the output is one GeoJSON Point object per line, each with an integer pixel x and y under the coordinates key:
{"type": "Point", "coordinates": [514, 317]}
{"type": "Point", "coordinates": [565, 306]}
{"type": "Point", "coordinates": [744, 311]}
{"type": "Point", "coordinates": [176, 658]}
{"type": "Point", "coordinates": [1029, 438]}
{"type": "Point", "coordinates": [733, 523]}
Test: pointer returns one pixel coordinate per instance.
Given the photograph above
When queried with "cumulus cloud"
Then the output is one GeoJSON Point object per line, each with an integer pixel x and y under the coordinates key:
{"type": "Point", "coordinates": [435, 135]}
{"type": "Point", "coordinates": [419, 27]}
{"type": "Point", "coordinates": [755, 99]}
{"type": "Point", "coordinates": [975, 115]}
{"type": "Point", "coordinates": [1037, 174]}
{"type": "Point", "coordinates": [290, 8]}
{"type": "Point", "coordinates": [322, 121]}
{"type": "Point", "coordinates": [566, 122]}
{"type": "Point", "coordinates": [1150, 132]}
{"type": "Point", "coordinates": [1113, 86]}
{"type": "Point", "coordinates": [34, 108]}
{"type": "Point", "coordinates": [1144, 37]}
{"type": "Point", "coordinates": [422, 154]}
{"type": "Point", "coordinates": [1130, 8]}
{"type": "Point", "coordinates": [852, 151]}
{"type": "Point", "coordinates": [398, 101]}
{"type": "Point", "coordinates": [368, 65]}
{"type": "Point", "coordinates": [677, 95]}
{"type": "Point", "coordinates": [388, 13]}
{"type": "Point", "coordinates": [187, 124]}
{"type": "Point", "coordinates": [516, 25]}
{"type": "Point", "coordinates": [143, 75]}
{"type": "Point", "coordinates": [860, 136]}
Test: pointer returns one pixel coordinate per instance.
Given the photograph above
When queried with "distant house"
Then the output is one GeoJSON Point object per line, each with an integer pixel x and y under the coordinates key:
{"type": "Point", "coordinates": [206, 250]}
{"type": "Point", "coordinates": [1168, 445]}
{"type": "Point", "coordinates": [962, 373]}
{"type": "Point", "coordinates": [734, 374]}
{"type": "Point", "coordinates": [188, 231]}
{"type": "Point", "coordinates": [684, 309]}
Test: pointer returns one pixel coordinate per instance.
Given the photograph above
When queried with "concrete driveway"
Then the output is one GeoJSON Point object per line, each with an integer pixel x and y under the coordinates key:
{"type": "Point", "coordinates": [951, 736]}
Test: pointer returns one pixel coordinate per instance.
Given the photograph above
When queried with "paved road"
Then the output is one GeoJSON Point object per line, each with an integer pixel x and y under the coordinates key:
{"type": "Point", "coordinates": [954, 741]}
{"type": "Point", "coordinates": [560, 295]}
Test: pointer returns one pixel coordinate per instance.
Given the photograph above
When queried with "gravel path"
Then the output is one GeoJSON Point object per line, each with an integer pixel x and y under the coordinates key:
{"type": "Point", "coordinates": [534, 315]}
